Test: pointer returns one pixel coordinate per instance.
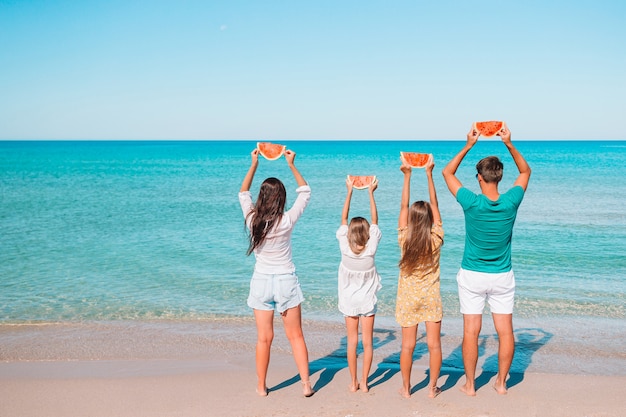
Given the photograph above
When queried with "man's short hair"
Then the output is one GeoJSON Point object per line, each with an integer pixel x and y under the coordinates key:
{"type": "Point", "coordinates": [490, 168]}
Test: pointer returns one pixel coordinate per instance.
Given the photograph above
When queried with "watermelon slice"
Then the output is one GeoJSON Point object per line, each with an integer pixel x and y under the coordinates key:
{"type": "Point", "coordinates": [415, 159]}
{"type": "Point", "coordinates": [271, 151]}
{"type": "Point", "coordinates": [488, 128]}
{"type": "Point", "coordinates": [361, 181]}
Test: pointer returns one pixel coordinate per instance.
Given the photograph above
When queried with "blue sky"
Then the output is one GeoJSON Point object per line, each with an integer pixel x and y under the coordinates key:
{"type": "Point", "coordinates": [289, 70]}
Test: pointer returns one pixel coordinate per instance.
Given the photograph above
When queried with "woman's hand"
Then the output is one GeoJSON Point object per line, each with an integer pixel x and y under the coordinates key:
{"type": "Point", "coordinates": [290, 156]}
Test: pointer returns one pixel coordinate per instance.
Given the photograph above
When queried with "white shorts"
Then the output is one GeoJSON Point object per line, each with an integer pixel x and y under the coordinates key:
{"type": "Point", "coordinates": [476, 287]}
{"type": "Point", "coordinates": [370, 313]}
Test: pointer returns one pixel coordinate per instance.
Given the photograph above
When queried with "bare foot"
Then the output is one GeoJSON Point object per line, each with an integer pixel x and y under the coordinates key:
{"type": "Point", "coordinates": [262, 392]}
{"type": "Point", "coordinates": [405, 392]}
{"type": "Point", "coordinates": [500, 385]}
{"type": "Point", "coordinates": [468, 390]}
{"type": "Point", "coordinates": [433, 392]}
{"type": "Point", "coordinates": [353, 387]}
{"type": "Point", "coordinates": [364, 387]}
{"type": "Point", "coordinates": [500, 389]}
{"type": "Point", "coordinates": [306, 389]}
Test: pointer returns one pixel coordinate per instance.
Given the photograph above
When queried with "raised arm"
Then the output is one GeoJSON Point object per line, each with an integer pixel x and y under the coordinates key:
{"type": "Point", "coordinates": [346, 204]}
{"type": "Point", "coordinates": [403, 218]}
{"type": "Point", "coordinates": [432, 193]}
{"type": "Point", "coordinates": [290, 156]}
{"type": "Point", "coordinates": [373, 209]}
{"type": "Point", "coordinates": [522, 165]}
{"type": "Point", "coordinates": [449, 172]}
{"type": "Point", "coordinates": [247, 180]}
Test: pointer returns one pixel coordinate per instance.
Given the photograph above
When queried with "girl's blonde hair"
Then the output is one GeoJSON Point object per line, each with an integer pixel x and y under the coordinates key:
{"type": "Point", "coordinates": [358, 234]}
{"type": "Point", "coordinates": [417, 249]}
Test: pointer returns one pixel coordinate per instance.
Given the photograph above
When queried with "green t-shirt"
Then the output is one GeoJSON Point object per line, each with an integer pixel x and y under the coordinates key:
{"type": "Point", "coordinates": [489, 229]}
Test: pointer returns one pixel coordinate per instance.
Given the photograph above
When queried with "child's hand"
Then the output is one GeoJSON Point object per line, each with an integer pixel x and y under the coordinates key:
{"type": "Point", "coordinates": [405, 168]}
{"type": "Point", "coordinates": [255, 156]}
{"type": "Point", "coordinates": [430, 165]}
{"type": "Point", "coordinates": [349, 183]}
{"type": "Point", "coordinates": [374, 185]}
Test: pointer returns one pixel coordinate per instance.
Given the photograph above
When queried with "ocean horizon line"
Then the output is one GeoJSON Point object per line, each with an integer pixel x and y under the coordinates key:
{"type": "Point", "coordinates": [182, 140]}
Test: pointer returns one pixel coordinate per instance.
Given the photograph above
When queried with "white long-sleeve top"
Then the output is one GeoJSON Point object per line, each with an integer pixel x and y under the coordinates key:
{"type": "Point", "coordinates": [274, 255]}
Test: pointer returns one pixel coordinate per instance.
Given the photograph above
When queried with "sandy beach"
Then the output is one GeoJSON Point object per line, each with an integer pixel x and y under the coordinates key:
{"type": "Point", "coordinates": [207, 369]}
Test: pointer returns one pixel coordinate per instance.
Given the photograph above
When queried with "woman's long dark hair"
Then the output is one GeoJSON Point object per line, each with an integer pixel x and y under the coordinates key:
{"type": "Point", "coordinates": [267, 211]}
{"type": "Point", "coordinates": [417, 248]}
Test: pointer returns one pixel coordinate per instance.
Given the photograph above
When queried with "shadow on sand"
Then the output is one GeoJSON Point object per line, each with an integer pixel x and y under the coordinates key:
{"type": "Point", "coordinates": [329, 365]}
{"type": "Point", "coordinates": [527, 342]}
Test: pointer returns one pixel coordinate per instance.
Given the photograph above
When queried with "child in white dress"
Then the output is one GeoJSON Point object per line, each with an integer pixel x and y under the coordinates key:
{"type": "Point", "coordinates": [359, 282]}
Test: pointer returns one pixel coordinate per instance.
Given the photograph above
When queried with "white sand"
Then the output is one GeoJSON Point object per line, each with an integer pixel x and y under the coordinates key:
{"type": "Point", "coordinates": [145, 370]}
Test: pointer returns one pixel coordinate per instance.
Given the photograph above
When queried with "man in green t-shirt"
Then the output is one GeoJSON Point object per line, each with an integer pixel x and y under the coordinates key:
{"type": "Point", "coordinates": [486, 273]}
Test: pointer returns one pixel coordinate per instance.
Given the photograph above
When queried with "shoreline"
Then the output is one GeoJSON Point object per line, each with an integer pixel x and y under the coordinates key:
{"type": "Point", "coordinates": [207, 368]}
{"type": "Point", "coordinates": [542, 346]}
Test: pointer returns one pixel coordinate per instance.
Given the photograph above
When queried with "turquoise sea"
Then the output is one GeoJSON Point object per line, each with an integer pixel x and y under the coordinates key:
{"type": "Point", "coordinates": [152, 230]}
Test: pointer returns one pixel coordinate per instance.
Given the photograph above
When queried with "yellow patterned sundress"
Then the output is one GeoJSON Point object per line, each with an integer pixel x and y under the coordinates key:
{"type": "Point", "coordinates": [419, 298]}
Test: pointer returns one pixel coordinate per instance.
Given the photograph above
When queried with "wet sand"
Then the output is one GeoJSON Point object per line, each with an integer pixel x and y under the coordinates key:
{"type": "Point", "coordinates": [207, 368]}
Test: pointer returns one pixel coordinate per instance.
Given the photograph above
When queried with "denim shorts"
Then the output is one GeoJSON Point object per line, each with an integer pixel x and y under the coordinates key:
{"type": "Point", "coordinates": [274, 291]}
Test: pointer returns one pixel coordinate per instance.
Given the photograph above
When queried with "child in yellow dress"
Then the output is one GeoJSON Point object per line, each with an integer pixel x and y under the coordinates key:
{"type": "Point", "coordinates": [420, 236]}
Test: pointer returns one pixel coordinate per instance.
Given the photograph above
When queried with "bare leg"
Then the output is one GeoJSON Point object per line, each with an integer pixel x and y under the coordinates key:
{"type": "Point", "coordinates": [433, 337]}
{"type": "Point", "coordinates": [265, 334]}
{"type": "Point", "coordinates": [367, 329]}
{"type": "Point", "coordinates": [506, 349]}
{"type": "Point", "coordinates": [472, 324]}
{"type": "Point", "coordinates": [409, 338]}
{"type": "Point", "coordinates": [292, 319]}
{"type": "Point", "coordinates": [352, 329]}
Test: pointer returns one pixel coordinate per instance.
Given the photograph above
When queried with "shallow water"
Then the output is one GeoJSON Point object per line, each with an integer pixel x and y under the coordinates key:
{"type": "Point", "coordinates": [139, 231]}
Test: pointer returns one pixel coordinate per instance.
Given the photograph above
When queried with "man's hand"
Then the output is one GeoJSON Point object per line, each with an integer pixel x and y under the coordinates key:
{"type": "Point", "coordinates": [472, 136]}
{"type": "Point", "coordinates": [505, 133]}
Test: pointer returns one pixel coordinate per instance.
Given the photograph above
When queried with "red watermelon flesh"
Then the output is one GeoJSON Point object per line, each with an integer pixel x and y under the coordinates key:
{"type": "Point", "coordinates": [488, 128]}
{"type": "Point", "coordinates": [271, 151]}
{"type": "Point", "coordinates": [361, 181]}
{"type": "Point", "coordinates": [416, 159]}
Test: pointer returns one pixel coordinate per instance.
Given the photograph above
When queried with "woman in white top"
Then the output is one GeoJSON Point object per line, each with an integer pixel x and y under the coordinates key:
{"type": "Point", "coordinates": [274, 284]}
{"type": "Point", "coordinates": [358, 283]}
